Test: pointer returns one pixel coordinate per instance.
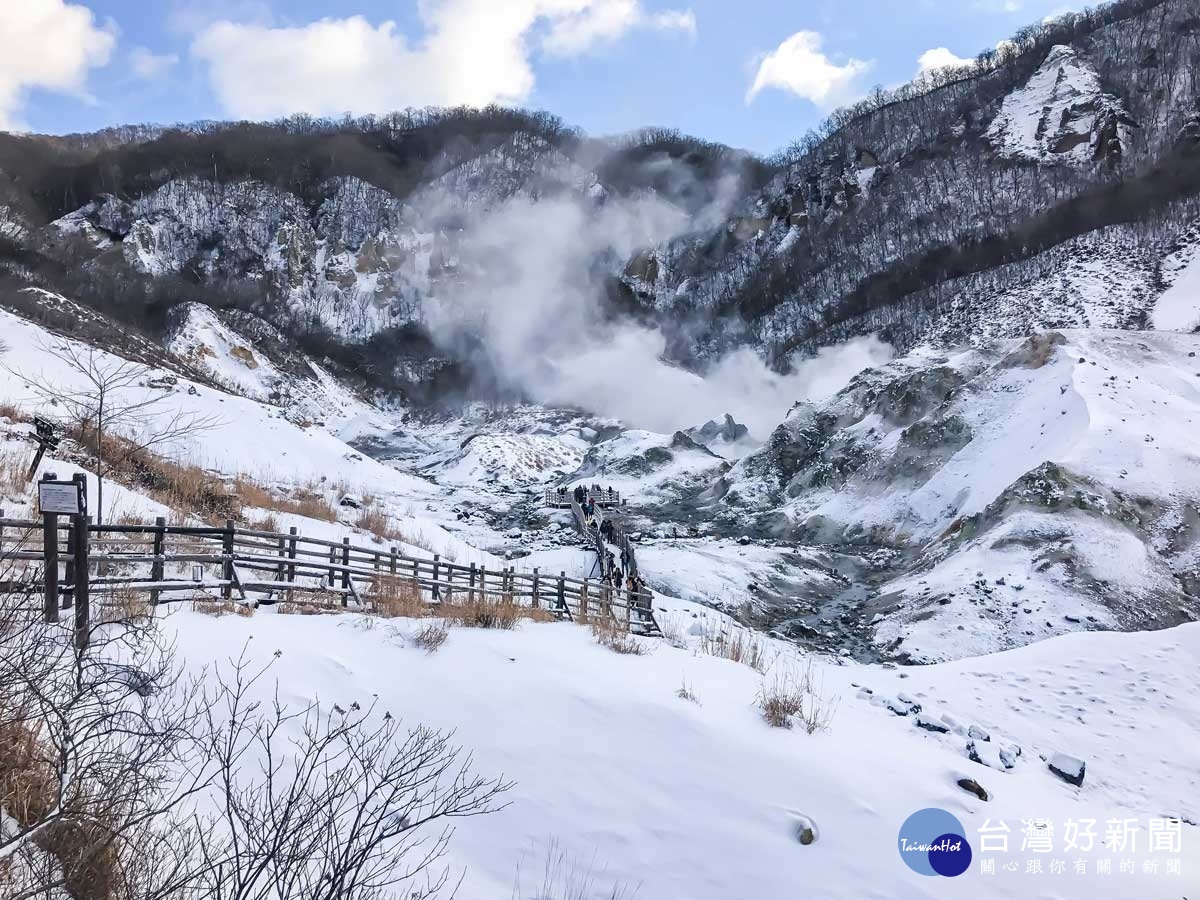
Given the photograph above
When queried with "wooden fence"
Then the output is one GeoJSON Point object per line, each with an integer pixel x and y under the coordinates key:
{"type": "Point", "coordinates": [171, 562]}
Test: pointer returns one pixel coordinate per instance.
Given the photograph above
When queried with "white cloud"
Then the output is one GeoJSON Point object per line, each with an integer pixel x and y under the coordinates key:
{"type": "Point", "coordinates": [47, 44]}
{"type": "Point", "coordinates": [148, 65]}
{"type": "Point", "coordinates": [472, 52]}
{"type": "Point", "coordinates": [940, 58]}
{"type": "Point", "coordinates": [594, 23]}
{"type": "Point", "coordinates": [798, 65]}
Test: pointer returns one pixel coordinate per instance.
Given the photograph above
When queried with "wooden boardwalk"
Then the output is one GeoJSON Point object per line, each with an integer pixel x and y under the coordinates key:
{"type": "Point", "coordinates": [170, 563]}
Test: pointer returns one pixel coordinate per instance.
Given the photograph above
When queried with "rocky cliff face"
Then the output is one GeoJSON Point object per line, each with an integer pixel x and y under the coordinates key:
{"type": "Point", "coordinates": [904, 210]}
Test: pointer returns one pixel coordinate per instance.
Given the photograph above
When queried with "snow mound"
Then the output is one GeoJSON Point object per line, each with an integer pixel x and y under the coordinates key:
{"type": "Point", "coordinates": [1178, 309]}
{"type": "Point", "coordinates": [1061, 113]}
{"type": "Point", "coordinates": [511, 460]}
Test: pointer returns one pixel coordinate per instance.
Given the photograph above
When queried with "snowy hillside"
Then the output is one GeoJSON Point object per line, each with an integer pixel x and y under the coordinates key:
{"type": "Point", "coordinates": [673, 799]}
{"type": "Point", "coordinates": [1025, 489]}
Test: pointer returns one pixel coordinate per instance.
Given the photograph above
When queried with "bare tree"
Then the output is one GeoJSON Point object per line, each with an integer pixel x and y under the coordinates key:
{"type": "Point", "coordinates": [97, 753]}
{"type": "Point", "coordinates": [108, 397]}
{"type": "Point", "coordinates": [329, 803]}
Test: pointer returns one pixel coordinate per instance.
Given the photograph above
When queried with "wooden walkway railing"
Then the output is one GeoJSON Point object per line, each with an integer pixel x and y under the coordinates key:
{"type": "Point", "coordinates": [170, 562]}
{"type": "Point", "coordinates": [562, 498]}
{"type": "Point", "coordinates": [595, 535]}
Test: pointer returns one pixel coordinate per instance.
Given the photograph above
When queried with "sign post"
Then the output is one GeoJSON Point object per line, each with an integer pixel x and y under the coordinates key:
{"type": "Point", "coordinates": [50, 554]}
{"type": "Point", "coordinates": [66, 498]}
{"type": "Point", "coordinates": [47, 437]}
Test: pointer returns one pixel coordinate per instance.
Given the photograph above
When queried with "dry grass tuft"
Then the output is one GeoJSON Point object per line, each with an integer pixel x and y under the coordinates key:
{"type": "Point", "coordinates": [431, 636]}
{"type": "Point", "coordinates": [13, 413]}
{"type": "Point", "coordinates": [307, 502]}
{"type": "Point", "coordinates": [491, 611]}
{"type": "Point", "coordinates": [125, 606]}
{"type": "Point", "coordinates": [394, 597]}
{"type": "Point", "coordinates": [673, 631]}
{"type": "Point", "coordinates": [212, 607]}
{"type": "Point", "coordinates": [296, 608]}
{"type": "Point", "coordinates": [737, 644]}
{"type": "Point", "coordinates": [793, 696]}
{"type": "Point", "coordinates": [14, 465]}
{"type": "Point", "coordinates": [611, 634]}
{"type": "Point", "coordinates": [688, 693]}
{"type": "Point", "coordinates": [374, 519]}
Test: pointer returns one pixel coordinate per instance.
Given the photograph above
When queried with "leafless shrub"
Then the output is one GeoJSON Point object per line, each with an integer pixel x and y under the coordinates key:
{"type": "Point", "coordinates": [350, 806]}
{"type": "Point", "coordinates": [688, 693]}
{"type": "Point", "coordinates": [613, 635]}
{"type": "Point", "coordinates": [96, 753]}
{"type": "Point", "coordinates": [431, 636]}
{"type": "Point", "coordinates": [796, 696]}
{"type": "Point", "coordinates": [109, 405]}
{"type": "Point", "coordinates": [563, 877]}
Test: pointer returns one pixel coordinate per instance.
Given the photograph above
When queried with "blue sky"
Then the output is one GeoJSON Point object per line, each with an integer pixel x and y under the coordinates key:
{"type": "Point", "coordinates": [751, 73]}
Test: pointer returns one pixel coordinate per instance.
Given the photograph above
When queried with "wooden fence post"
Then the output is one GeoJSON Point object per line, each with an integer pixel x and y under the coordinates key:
{"type": "Point", "coordinates": [291, 568]}
{"type": "Point", "coordinates": [583, 601]}
{"type": "Point", "coordinates": [483, 584]}
{"type": "Point", "coordinates": [82, 623]}
{"type": "Point", "coordinates": [227, 566]}
{"type": "Point", "coordinates": [345, 568]}
{"type": "Point", "coordinates": [437, 591]}
{"type": "Point", "coordinates": [562, 592]}
{"type": "Point", "coordinates": [392, 561]}
{"type": "Point", "coordinates": [50, 559]}
{"type": "Point", "coordinates": [535, 587]}
{"type": "Point", "coordinates": [330, 576]}
{"type": "Point", "coordinates": [281, 569]}
{"type": "Point", "coordinates": [157, 570]}
{"type": "Point", "coordinates": [471, 585]}
{"type": "Point", "coordinates": [68, 598]}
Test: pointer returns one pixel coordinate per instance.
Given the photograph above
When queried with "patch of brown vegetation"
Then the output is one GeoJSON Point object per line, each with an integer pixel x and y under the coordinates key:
{"type": "Point", "coordinates": [75, 835]}
{"type": "Point", "coordinates": [212, 607]}
{"type": "Point", "coordinates": [611, 634]}
{"type": "Point", "coordinates": [297, 608]}
{"type": "Point", "coordinates": [14, 413]}
{"type": "Point", "coordinates": [490, 611]}
{"type": "Point", "coordinates": [395, 597]}
{"type": "Point", "coordinates": [124, 606]}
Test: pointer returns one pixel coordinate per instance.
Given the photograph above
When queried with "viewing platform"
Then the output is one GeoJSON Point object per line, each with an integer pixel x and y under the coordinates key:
{"type": "Point", "coordinates": [562, 498]}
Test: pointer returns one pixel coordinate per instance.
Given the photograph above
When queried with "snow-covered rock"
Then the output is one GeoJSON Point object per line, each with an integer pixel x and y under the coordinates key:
{"type": "Point", "coordinates": [1061, 114]}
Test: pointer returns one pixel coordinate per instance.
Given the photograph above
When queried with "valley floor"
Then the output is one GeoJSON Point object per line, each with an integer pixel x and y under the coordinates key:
{"type": "Point", "coordinates": [681, 800]}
